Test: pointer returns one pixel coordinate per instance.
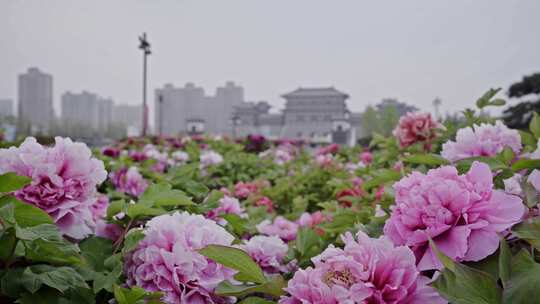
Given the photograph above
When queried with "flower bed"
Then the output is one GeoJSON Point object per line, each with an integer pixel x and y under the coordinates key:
{"type": "Point", "coordinates": [436, 214]}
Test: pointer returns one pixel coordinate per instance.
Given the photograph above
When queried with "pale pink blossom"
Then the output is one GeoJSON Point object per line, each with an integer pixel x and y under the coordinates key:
{"type": "Point", "coordinates": [227, 205]}
{"type": "Point", "coordinates": [366, 270]}
{"type": "Point", "coordinates": [267, 251]}
{"type": "Point", "coordinates": [534, 179]}
{"type": "Point", "coordinates": [463, 214]}
{"type": "Point", "coordinates": [210, 158]}
{"type": "Point", "coordinates": [129, 181]}
{"type": "Point", "coordinates": [481, 140]}
{"type": "Point", "coordinates": [64, 179]}
{"type": "Point", "coordinates": [167, 259]}
{"type": "Point", "coordinates": [512, 185]}
{"type": "Point", "coordinates": [311, 219]}
{"type": "Point", "coordinates": [416, 127]}
{"type": "Point", "coordinates": [281, 227]}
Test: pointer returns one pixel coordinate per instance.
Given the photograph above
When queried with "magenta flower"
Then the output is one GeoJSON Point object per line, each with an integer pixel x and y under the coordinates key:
{"type": "Point", "coordinates": [463, 214]}
{"type": "Point", "coordinates": [243, 190]}
{"type": "Point", "coordinates": [267, 251]}
{"type": "Point", "coordinates": [265, 201]}
{"type": "Point", "coordinates": [366, 157]}
{"type": "Point", "coordinates": [281, 227]}
{"type": "Point", "coordinates": [366, 270]}
{"type": "Point", "coordinates": [167, 259]}
{"type": "Point", "coordinates": [227, 205]}
{"type": "Point", "coordinates": [330, 149]}
{"type": "Point", "coordinates": [129, 181]}
{"type": "Point", "coordinates": [111, 152]}
{"type": "Point", "coordinates": [416, 127]}
{"type": "Point", "coordinates": [64, 179]}
{"type": "Point", "coordinates": [483, 140]}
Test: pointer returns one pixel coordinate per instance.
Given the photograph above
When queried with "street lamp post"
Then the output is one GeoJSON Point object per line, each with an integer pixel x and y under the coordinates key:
{"type": "Point", "coordinates": [160, 100]}
{"type": "Point", "coordinates": [144, 45]}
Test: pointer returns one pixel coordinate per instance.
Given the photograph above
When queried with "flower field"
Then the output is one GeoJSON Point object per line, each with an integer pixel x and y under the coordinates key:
{"type": "Point", "coordinates": [438, 213]}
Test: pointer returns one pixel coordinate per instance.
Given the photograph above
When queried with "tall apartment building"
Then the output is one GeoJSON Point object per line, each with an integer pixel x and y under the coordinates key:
{"type": "Point", "coordinates": [6, 107]}
{"type": "Point", "coordinates": [36, 100]}
{"type": "Point", "coordinates": [88, 110]}
{"type": "Point", "coordinates": [177, 108]}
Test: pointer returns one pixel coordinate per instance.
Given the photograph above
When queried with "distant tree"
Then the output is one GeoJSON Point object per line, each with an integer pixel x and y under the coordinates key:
{"type": "Point", "coordinates": [529, 85]}
{"type": "Point", "coordinates": [519, 115]}
{"type": "Point", "coordinates": [389, 118]}
{"type": "Point", "coordinates": [370, 121]}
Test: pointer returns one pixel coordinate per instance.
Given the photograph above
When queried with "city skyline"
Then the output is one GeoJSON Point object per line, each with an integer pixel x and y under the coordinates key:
{"type": "Point", "coordinates": [420, 51]}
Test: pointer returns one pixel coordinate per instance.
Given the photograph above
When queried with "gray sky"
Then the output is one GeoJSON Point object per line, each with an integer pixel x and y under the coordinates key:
{"type": "Point", "coordinates": [411, 50]}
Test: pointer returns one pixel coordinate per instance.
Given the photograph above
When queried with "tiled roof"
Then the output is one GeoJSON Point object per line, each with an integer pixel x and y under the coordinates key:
{"type": "Point", "coordinates": [307, 92]}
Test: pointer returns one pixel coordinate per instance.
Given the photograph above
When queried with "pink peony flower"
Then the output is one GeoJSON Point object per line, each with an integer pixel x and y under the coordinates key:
{"type": "Point", "coordinates": [366, 270]}
{"type": "Point", "coordinates": [512, 185]}
{"type": "Point", "coordinates": [227, 205]}
{"type": "Point", "coordinates": [137, 156]}
{"type": "Point", "coordinates": [324, 160]}
{"type": "Point", "coordinates": [64, 179]}
{"type": "Point", "coordinates": [167, 259]}
{"type": "Point", "coordinates": [99, 207]}
{"type": "Point", "coordinates": [129, 181]}
{"type": "Point", "coordinates": [463, 214]}
{"type": "Point", "coordinates": [366, 157]}
{"type": "Point", "coordinates": [484, 140]}
{"type": "Point", "coordinates": [416, 127]}
{"type": "Point", "coordinates": [267, 251]}
{"type": "Point", "coordinates": [265, 201]}
{"type": "Point", "coordinates": [281, 227]}
{"type": "Point", "coordinates": [210, 158]}
{"type": "Point", "coordinates": [179, 157]}
{"type": "Point", "coordinates": [111, 152]}
{"type": "Point", "coordinates": [243, 190]}
{"type": "Point", "coordinates": [310, 220]}
{"type": "Point", "coordinates": [108, 231]}
{"type": "Point", "coordinates": [282, 157]}
{"type": "Point", "coordinates": [534, 179]}
{"type": "Point", "coordinates": [330, 149]}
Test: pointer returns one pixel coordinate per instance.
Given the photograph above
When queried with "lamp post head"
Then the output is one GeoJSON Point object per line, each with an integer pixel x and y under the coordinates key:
{"type": "Point", "coordinates": [144, 44]}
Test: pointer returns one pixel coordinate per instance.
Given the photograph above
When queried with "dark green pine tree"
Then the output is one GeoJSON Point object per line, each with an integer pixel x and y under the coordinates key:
{"type": "Point", "coordinates": [519, 115]}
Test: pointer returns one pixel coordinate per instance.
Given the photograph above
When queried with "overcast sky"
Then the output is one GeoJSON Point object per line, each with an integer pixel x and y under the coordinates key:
{"type": "Point", "coordinates": [410, 50]}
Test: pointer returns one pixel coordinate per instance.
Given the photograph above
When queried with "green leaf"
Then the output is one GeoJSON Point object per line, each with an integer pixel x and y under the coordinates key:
{"type": "Point", "coordinates": [426, 159]}
{"type": "Point", "coordinates": [10, 182]}
{"type": "Point", "coordinates": [494, 164]}
{"type": "Point", "coordinates": [162, 194]}
{"type": "Point", "coordinates": [115, 207]}
{"type": "Point", "coordinates": [534, 125]}
{"type": "Point", "coordinates": [26, 215]}
{"type": "Point", "coordinates": [106, 280]}
{"type": "Point", "coordinates": [529, 230]}
{"type": "Point", "coordinates": [95, 250]}
{"type": "Point", "coordinates": [132, 239]}
{"type": "Point", "coordinates": [255, 300]}
{"type": "Point", "coordinates": [43, 231]}
{"type": "Point", "coordinates": [237, 223]}
{"type": "Point", "coordinates": [190, 186]}
{"type": "Point", "coordinates": [527, 138]}
{"type": "Point", "coordinates": [505, 257]}
{"type": "Point", "coordinates": [307, 240]}
{"type": "Point", "coordinates": [526, 163]}
{"type": "Point", "coordinates": [485, 99]}
{"type": "Point", "coordinates": [236, 259]}
{"type": "Point", "coordinates": [461, 284]}
{"type": "Point", "coordinates": [8, 242]}
{"type": "Point", "coordinates": [59, 278]}
{"type": "Point", "coordinates": [57, 252]}
{"type": "Point", "coordinates": [139, 210]}
{"type": "Point", "coordinates": [381, 177]}
{"type": "Point", "coordinates": [135, 295]}
{"type": "Point", "coordinates": [273, 287]}
{"type": "Point", "coordinates": [522, 286]}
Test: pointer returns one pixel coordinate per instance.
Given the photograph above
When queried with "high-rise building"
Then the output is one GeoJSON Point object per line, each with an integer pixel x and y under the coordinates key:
{"type": "Point", "coordinates": [130, 116]}
{"type": "Point", "coordinates": [176, 108]}
{"type": "Point", "coordinates": [87, 110]}
{"type": "Point", "coordinates": [36, 100]}
{"type": "Point", "coordinates": [6, 107]}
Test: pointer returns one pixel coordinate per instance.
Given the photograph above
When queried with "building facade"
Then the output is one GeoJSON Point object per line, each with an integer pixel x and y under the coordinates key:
{"type": "Point", "coordinates": [6, 107]}
{"type": "Point", "coordinates": [129, 116]}
{"type": "Point", "coordinates": [35, 106]}
{"type": "Point", "coordinates": [317, 115]}
{"type": "Point", "coordinates": [177, 108]}
{"type": "Point", "coordinates": [87, 110]}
